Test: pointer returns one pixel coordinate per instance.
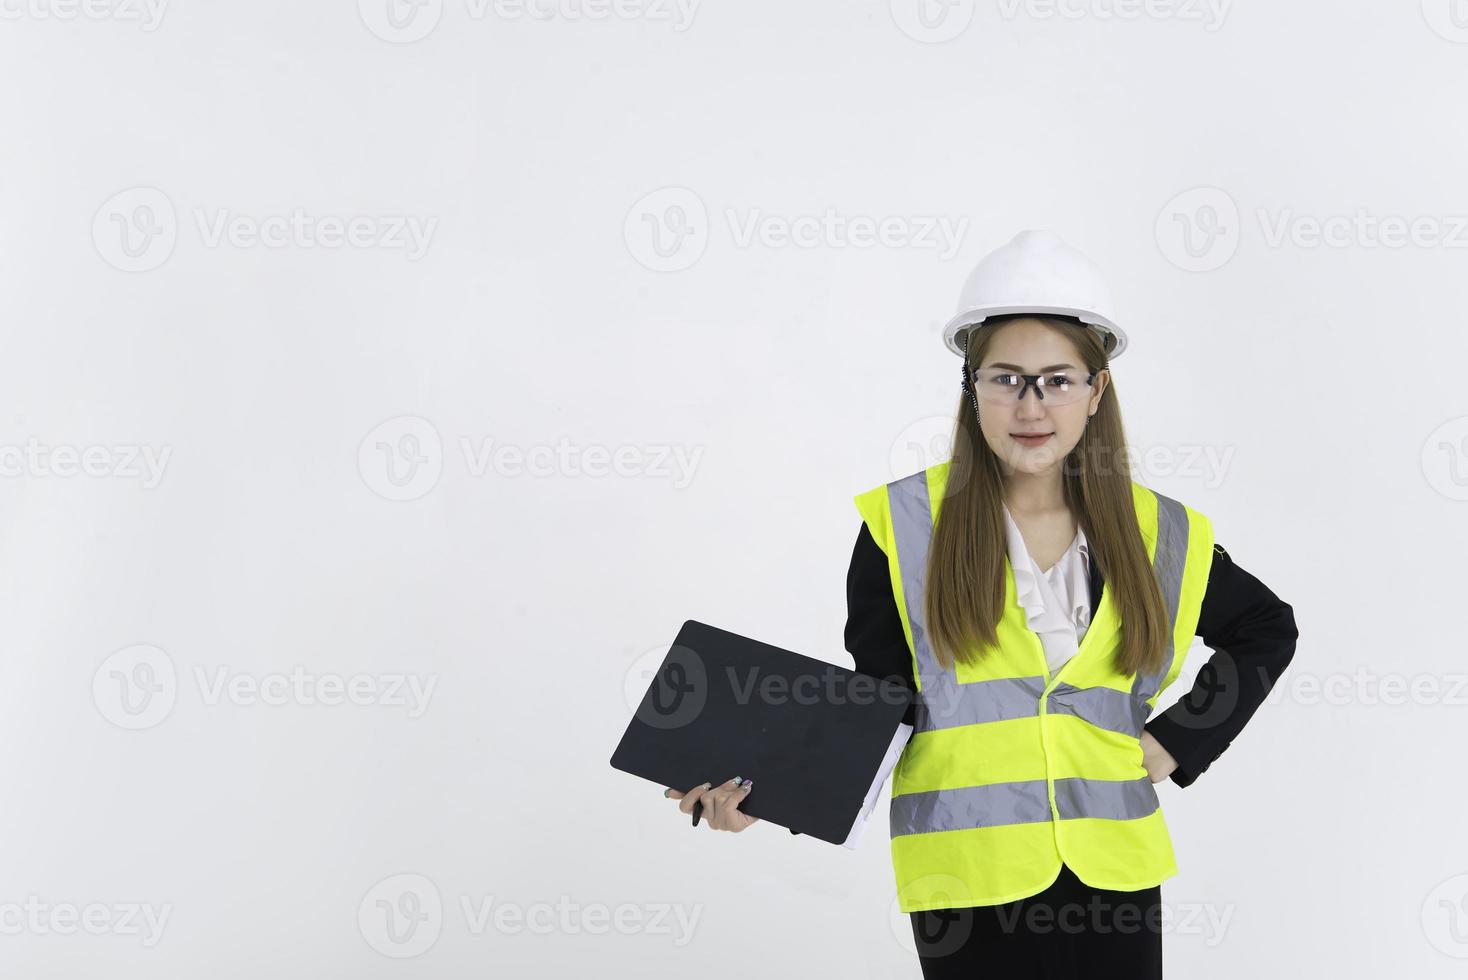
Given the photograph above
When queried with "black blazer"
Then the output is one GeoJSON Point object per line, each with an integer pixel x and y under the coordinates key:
{"type": "Point", "coordinates": [1251, 630]}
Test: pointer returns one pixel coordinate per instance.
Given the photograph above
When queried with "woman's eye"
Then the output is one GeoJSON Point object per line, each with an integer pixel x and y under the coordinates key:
{"type": "Point", "coordinates": [1057, 380]}
{"type": "Point", "coordinates": [1003, 379]}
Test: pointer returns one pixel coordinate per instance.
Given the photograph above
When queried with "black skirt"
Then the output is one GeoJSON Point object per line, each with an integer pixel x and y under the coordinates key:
{"type": "Point", "coordinates": [1068, 930]}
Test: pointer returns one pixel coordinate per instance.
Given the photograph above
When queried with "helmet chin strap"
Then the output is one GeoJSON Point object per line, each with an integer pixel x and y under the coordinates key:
{"type": "Point", "coordinates": [967, 386]}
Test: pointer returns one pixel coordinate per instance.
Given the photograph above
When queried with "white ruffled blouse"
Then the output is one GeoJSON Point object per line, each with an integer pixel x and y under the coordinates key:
{"type": "Point", "coordinates": [1056, 601]}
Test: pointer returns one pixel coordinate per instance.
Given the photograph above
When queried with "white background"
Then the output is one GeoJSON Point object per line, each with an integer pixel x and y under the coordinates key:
{"type": "Point", "coordinates": [557, 309]}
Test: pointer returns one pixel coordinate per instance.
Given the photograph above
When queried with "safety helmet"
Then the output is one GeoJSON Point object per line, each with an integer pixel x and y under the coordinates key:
{"type": "Point", "coordinates": [1035, 272]}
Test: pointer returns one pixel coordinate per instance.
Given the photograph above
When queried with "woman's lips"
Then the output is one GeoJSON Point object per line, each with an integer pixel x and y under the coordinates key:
{"type": "Point", "coordinates": [1035, 440]}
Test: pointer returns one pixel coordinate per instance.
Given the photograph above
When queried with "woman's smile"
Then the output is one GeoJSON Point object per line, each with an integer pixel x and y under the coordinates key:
{"type": "Point", "coordinates": [1031, 440]}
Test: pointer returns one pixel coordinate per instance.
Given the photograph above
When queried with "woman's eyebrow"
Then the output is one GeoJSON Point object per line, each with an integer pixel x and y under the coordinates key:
{"type": "Point", "coordinates": [1016, 367]}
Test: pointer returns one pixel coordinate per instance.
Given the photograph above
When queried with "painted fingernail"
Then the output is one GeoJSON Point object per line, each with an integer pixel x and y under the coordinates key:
{"type": "Point", "coordinates": [738, 780]}
{"type": "Point", "coordinates": [665, 791]}
{"type": "Point", "coordinates": [749, 784]}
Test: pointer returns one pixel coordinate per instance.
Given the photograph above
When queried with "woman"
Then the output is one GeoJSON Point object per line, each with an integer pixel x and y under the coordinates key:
{"type": "Point", "coordinates": [1026, 837]}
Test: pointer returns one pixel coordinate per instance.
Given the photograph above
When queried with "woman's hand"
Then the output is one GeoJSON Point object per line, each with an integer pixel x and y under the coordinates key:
{"type": "Point", "coordinates": [1159, 761]}
{"type": "Point", "coordinates": [720, 804]}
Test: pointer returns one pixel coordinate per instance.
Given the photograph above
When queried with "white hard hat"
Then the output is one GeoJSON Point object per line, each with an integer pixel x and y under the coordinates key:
{"type": "Point", "coordinates": [1035, 272]}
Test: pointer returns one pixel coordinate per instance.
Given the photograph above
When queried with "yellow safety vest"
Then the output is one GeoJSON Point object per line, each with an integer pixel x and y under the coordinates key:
{"type": "Point", "coordinates": [1011, 771]}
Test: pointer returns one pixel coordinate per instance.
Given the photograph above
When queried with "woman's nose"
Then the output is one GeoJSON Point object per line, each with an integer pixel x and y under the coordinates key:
{"type": "Point", "coordinates": [1030, 406]}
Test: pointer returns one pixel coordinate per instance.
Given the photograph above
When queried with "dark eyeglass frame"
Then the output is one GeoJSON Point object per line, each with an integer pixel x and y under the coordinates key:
{"type": "Point", "coordinates": [971, 377]}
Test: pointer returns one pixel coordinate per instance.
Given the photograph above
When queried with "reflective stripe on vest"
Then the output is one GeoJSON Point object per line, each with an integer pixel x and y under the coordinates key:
{"type": "Point", "coordinates": [1024, 802]}
{"type": "Point", "coordinates": [945, 703]}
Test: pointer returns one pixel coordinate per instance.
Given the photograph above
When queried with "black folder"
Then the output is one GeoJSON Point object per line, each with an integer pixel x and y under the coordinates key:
{"type": "Point", "coordinates": [811, 735]}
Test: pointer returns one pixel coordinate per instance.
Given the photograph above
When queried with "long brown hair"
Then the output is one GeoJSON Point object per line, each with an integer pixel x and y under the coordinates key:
{"type": "Point", "coordinates": [965, 591]}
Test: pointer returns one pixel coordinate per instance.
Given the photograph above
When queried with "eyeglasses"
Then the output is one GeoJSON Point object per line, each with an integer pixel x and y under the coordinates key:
{"type": "Point", "coordinates": [1055, 388]}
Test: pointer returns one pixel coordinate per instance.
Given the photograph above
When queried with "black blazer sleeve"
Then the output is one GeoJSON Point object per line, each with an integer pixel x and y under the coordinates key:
{"type": "Point", "coordinates": [874, 635]}
{"type": "Point", "coordinates": [1252, 632]}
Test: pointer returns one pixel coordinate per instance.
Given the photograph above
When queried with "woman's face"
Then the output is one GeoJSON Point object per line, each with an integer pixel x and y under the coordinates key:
{"type": "Point", "coordinates": [1028, 346]}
